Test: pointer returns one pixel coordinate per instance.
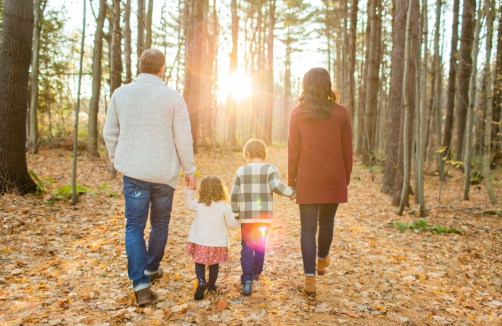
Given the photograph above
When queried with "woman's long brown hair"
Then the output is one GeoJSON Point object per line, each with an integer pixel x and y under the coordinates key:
{"type": "Point", "coordinates": [318, 98]}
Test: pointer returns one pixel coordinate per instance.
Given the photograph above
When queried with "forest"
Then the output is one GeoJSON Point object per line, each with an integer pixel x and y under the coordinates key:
{"type": "Point", "coordinates": [421, 80]}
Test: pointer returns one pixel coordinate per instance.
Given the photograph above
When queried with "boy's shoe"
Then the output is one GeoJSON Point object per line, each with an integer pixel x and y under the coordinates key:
{"type": "Point", "coordinates": [157, 276]}
{"type": "Point", "coordinates": [145, 296]}
{"type": "Point", "coordinates": [310, 286]}
{"type": "Point", "coordinates": [256, 277]}
{"type": "Point", "coordinates": [199, 291]}
{"type": "Point", "coordinates": [247, 288]}
{"type": "Point", "coordinates": [322, 264]}
{"type": "Point", "coordinates": [211, 288]}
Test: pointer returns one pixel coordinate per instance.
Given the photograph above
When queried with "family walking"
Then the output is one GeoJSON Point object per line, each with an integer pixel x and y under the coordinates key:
{"type": "Point", "coordinates": [148, 137]}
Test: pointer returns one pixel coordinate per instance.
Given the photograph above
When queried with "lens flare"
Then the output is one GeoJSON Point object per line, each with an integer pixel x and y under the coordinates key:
{"type": "Point", "coordinates": [238, 85]}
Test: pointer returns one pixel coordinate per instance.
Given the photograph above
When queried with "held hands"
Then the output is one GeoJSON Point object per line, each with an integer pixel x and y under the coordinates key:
{"type": "Point", "coordinates": [191, 183]}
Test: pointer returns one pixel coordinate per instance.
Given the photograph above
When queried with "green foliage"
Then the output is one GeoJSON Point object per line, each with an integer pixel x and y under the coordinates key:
{"type": "Point", "coordinates": [422, 225]}
{"type": "Point", "coordinates": [43, 183]}
{"type": "Point", "coordinates": [419, 224]}
{"type": "Point", "coordinates": [65, 192]}
{"type": "Point", "coordinates": [1, 16]}
{"type": "Point", "coordinates": [476, 177]}
{"type": "Point", "coordinates": [493, 212]}
{"type": "Point", "coordinates": [40, 183]}
{"type": "Point", "coordinates": [57, 65]}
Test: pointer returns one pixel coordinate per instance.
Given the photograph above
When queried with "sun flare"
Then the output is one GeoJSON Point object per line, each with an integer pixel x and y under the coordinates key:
{"type": "Point", "coordinates": [237, 85]}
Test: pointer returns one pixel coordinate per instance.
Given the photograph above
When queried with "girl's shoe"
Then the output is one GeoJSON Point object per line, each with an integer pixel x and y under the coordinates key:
{"type": "Point", "coordinates": [322, 264]}
{"type": "Point", "coordinates": [199, 291]}
{"type": "Point", "coordinates": [310, 287]}
{"type": "Point", "coordinates": [211, 288]}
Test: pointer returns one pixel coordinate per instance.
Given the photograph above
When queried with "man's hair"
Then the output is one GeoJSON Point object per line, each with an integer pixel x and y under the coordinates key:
{"type": "Point", "coordinates": [255, 148]}
{"type": "Point", "coordinates": [151, 61]}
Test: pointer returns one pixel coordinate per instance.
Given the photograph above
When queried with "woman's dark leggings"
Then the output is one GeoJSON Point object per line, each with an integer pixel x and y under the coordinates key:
{"type": "Point", "coordinates": [200, 271]}
{"type": "Point", "coordinates": [310, 215]}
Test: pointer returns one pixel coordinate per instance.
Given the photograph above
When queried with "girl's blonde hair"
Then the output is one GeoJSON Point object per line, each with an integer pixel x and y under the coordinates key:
{"type": "Point", "coordinates": [212, 190]}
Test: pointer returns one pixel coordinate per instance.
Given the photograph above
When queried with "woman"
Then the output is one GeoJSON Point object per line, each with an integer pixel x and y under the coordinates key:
{"type": "Point", "coordinates": [319, 167]}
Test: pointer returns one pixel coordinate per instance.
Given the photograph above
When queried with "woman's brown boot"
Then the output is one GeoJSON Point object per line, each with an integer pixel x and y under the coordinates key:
{"type": "Point", "coordinates": [310, 287]}
{"type": "Point", "coordinates": [322, 264]}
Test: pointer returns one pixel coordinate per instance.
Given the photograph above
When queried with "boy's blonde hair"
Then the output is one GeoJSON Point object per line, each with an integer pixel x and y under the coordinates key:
{"type": "Point", "coordinates": [255, 148]}
{"type": "Point", "coordinates": [212, 190]}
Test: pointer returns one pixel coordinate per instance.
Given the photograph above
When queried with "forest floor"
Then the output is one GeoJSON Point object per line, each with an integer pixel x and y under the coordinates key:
{"type": "Point", "coordinates": [65, 265]}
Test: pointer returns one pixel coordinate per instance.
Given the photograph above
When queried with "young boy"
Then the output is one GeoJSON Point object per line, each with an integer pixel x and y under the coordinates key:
{"type": "Point", "coordinates": [252, 202]}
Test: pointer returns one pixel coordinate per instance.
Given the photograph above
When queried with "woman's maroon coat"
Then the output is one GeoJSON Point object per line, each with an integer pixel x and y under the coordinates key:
{"type": "Point", "coordinates": [320, 157]}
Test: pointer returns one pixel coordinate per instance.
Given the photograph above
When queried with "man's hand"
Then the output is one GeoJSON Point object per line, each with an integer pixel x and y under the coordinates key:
{"type": "Point", "coordinates": [191, 182]}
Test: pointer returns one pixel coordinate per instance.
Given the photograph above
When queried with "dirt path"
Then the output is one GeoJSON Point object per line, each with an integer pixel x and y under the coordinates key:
{"type": "Point", "coordinates": [67, 265]}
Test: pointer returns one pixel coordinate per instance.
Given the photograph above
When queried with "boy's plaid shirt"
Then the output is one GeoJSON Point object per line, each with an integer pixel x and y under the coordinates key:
{"type": "Point", "coordinates": [252, 198]}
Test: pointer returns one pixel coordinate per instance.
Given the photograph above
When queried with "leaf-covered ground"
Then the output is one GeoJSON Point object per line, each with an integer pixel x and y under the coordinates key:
{"type": "Point", "coordinates": [64, 265]}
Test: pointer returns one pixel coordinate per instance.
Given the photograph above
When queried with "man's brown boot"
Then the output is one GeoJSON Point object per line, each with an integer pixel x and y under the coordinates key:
{"type": "Point", "coordinates": [322, 264]}
{"type": "Point", "coordinates": [157, 276]}
{"type": "Point", "coordinates": [145, 296]}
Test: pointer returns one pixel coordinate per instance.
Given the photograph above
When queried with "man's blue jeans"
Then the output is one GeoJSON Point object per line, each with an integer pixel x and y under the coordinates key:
{"type": "Point", "coordinates": [140, 198]}
{"type": "Point", "coordinates": [254, 240]}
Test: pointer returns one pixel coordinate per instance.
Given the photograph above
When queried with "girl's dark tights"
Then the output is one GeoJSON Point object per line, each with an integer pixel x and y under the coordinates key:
{"type": "Point", "coordinates": [200, 271]}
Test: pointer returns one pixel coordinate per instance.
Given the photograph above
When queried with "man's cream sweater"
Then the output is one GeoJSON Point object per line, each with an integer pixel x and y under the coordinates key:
{"type": "Point", "coordinates": [147, 132]}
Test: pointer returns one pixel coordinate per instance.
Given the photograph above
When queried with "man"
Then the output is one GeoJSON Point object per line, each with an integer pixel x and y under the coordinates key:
{"type": "Point", "coordinates": [147, 134]}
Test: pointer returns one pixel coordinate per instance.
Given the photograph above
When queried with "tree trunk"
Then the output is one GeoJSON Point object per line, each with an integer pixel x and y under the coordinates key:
{"type": "Point", "coordinates": [422, 126]}
{"type": "Point", "coordinates": [489, 6]}
{"type": "Point", "coordinates": [437, 89]}
{"type": "Point", "coordinates": [287, 86]}
{"type": "Point", "coordinates": [465, 71]}
{"type": "Point", "coordinates": [35, 67]}
{"type": "Point", "coordinates": [196, 52]}
{"type": "Point", "coordinates": [406, 125]}
{"type": "Point", "coordinates": [149, 16]}
{"type": "Point", "coordinates": [231, 104]}
{"type": "Point", "coordinates": [92, 146]}
{"type": "Point", "coordinates": [406, 141]}
{"type": "Point", "coordinates": [351, 96]}
{"type": "Point", "coordinates": [361, 123]}
{"type": "Point", "coordinates": [450, 102]}
{"type": "Point", "coordinates": [116, 59]}
{"type": "Point", "coordinates": [74, 194]}
{"type": "Point", "coordinates": [116, 56]}
{"type": "Point", "coordinates": [392, 166]}
{"type": "Point", "coordinates": [472, 103]}
{"type": "Point", "coordinates": [269, 91]}
{"type": "Point", "coordinates": [15, 55]}
{"type": "Point", "coordinates": [497, 98]}
{"type": "Point", "coordinates": [141, 31]}
{"type": "Point", "coordinates": [371, 85]}
{"type": "Point", "coordinates": [127, 43]}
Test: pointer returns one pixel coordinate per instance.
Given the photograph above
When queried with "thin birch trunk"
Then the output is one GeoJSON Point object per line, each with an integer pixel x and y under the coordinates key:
{"type": "Point", "coordinates": [437, 86]}
{"type": "Point", "coordinates": [74, 194]}
{"type": "Point", "coordinates": [35, 70]}
{"type": "Point", "coordinates": [422, 120]}
{"type": "Point", "coordinates": [489, 5]}
{"type": "Point", "coordinates": [127, 42]}
{"type": "Point", "coordinates": [472, 102]}
{"type": "Point", "coordinates": [406, 178]}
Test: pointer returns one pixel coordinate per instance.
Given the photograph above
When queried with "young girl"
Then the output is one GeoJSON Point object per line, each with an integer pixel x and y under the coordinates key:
{"type": "Point", "coordinates": [207, 242]}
